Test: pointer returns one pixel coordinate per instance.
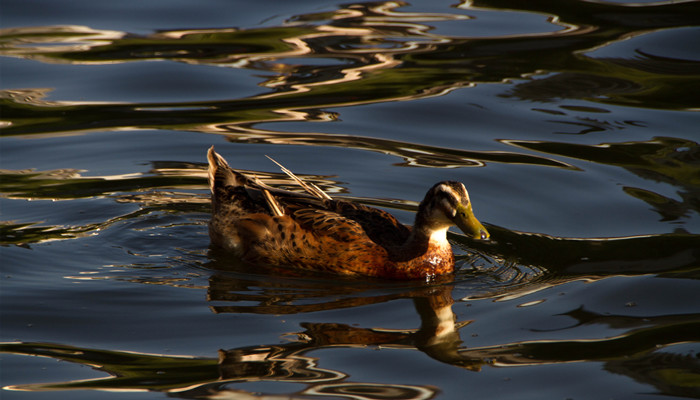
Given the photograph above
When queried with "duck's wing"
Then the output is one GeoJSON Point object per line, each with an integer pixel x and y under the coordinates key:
{"type": "Point", "coordinates": [329, 223]}
{"type": "Point", "coordinates": [380, 226]}
{"type": "Point", "coordinates": [348, 220]}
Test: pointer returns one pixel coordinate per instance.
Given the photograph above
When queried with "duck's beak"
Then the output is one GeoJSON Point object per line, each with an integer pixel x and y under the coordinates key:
{"type": "Point", "coordinates": [467, 222]}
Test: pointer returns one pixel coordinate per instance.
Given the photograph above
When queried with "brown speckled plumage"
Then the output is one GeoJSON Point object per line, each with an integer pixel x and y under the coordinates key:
{"type": "Point", "coordinates": [312, 231]}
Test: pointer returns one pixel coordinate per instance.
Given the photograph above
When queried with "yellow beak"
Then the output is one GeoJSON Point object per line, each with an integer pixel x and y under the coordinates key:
{"type": "Point", "coordinates": [467, 222]}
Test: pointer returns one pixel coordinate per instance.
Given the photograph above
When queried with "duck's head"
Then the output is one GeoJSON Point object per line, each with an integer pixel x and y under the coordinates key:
{"type": "Point", "coordinates": [446, 204]}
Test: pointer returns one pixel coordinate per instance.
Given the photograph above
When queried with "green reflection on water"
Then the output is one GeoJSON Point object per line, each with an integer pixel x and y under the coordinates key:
{"type": "Point", "coordinates": [395, 61]}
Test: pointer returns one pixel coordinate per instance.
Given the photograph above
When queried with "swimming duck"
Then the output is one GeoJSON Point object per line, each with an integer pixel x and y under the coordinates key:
{"type": "Point", "coordinates": [312, 231]}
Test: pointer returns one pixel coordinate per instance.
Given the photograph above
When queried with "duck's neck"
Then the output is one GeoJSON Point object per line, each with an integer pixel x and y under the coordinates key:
{"type": "Point", "coordinates": [426, 236]}
{"type": "Point", "coordinates": [431, 238]}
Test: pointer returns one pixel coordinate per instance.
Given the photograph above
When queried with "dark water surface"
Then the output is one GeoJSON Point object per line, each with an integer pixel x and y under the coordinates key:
{"type": "Point", "coordinates": [574, 125]}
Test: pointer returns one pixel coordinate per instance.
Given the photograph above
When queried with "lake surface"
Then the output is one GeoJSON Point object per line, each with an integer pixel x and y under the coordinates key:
{"type": "Point", "coordinates": [574, 125]}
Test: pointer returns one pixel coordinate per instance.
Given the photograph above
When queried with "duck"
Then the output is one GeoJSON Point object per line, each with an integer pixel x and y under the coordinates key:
{"type": "Point", "coordinates": [310, 230]}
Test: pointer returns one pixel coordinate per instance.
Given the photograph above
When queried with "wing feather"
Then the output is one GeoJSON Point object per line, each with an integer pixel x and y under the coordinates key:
{"type": "Point", "coordinates": [329, 223]}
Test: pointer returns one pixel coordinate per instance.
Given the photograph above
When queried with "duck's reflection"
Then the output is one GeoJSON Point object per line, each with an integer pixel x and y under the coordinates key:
{"type": "Point", "coordinates": [437, 336]}
{"type": "Point", "coordinates": [635, 353]}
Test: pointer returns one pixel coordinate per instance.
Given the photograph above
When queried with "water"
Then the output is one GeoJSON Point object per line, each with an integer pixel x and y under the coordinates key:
{"type": "Point", "coordinates": [574, 126]}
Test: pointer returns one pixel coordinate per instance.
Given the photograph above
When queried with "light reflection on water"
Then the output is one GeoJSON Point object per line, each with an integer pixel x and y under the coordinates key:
{"type": "Point", "coordinates": [579, 111]}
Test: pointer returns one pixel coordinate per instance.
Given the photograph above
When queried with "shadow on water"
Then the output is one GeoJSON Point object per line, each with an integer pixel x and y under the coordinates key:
{"type": "Point", "coordinates": [662, 159]}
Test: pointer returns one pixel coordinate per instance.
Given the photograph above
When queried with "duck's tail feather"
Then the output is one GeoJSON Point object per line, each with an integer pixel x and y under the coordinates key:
{"type": "Point", "coordinates": [220, 174]}
{"type": "Point", "coordinates": [309, 187]}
